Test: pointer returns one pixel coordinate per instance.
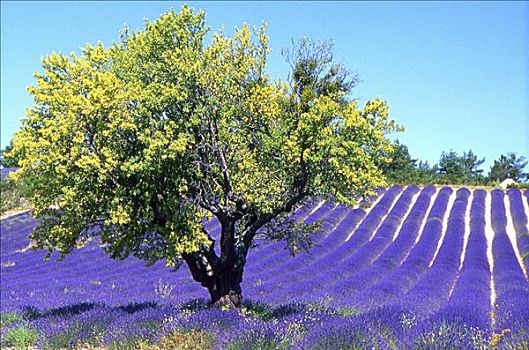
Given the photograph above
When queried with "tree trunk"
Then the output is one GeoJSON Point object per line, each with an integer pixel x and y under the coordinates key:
{"type": "Point", "coordinates": [225, 284]}
{"type": "Point", "coordinates": [221, 276]}
{"type": "Point", "coordinates": [225, 289]}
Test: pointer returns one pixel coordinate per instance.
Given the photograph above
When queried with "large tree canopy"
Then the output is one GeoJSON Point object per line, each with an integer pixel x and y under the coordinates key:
{"type": "Point", "coordinates": [139, 141]}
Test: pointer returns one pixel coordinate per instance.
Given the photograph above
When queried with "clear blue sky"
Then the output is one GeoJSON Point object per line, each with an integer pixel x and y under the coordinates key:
{"type": "Point", "coordinates": [455, 74]}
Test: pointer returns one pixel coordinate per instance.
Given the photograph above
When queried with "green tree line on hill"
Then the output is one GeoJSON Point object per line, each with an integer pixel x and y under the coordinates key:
{"type": "Point", "coordinates": [453, 169]}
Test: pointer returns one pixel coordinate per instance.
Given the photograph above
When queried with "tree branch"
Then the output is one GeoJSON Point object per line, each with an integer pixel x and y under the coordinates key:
{"type": "Point", "coordinates": [222, 163]}
{"type": "Point", "coordinates": [204, 263]}
{"type": "Point", "coordinates": [263, 219]}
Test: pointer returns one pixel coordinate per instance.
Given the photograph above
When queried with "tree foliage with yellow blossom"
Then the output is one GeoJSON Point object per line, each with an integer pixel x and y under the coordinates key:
{"type": "Point", "coordinates": [139, 141]}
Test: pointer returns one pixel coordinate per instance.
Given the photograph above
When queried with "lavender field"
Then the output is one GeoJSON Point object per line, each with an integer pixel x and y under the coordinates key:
{"type": "Point", "coordinates": [422, 268]}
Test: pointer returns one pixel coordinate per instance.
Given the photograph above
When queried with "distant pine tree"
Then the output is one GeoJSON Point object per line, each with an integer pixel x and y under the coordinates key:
{"type": "Point", "coordinates": [402, 169]}
{"type": "Point", "coordinates": [509, 166]}
{"type": "Point", "coordinates": [8, 160]}
{"type": "Point", "coordinates": [456, 169]}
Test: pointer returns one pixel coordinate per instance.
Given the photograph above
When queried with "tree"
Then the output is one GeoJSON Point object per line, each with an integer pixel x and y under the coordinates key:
{"type": "Point", "coordinates": [457, 169]}
{"type": "Point", "coordinates": [138, 142]}
{"type": "Point", "coordinates": [509, 166]}
{"type": "Point", "coordinates": [451, 169]}
{"type": "Point", "coordinates": [402, 169]}
{"type": "Point", "coordinates": [471, 163]}
{"type": "Point", "coordinates": [7, 158]}
{"type": "Point", "coordinates": [425, 173]}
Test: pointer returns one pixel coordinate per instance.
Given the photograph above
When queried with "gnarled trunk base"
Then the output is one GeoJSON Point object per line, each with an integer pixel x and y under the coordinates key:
{"type": "Point", "coordinates": [231, 300]}
{"type": "Point", "coordinates": [225, 290]}
{"type": "Point", "coordinates": [221, 276]}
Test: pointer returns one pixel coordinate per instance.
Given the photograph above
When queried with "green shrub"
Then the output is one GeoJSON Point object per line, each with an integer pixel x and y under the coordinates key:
{"type": "Point", "coordinates": [347, 311]}
{"type": "Point", "coordinates": [257, 309]}
{"type": "Point", "coordinates": [6, 318]}
{"type": "Point", "coordinates": [79, 333]}
{"type": "Point", "coordinates": [11, 197]}
{"type": "Point", "coordinates": [176, 340]}
{"type": "Point", "coordinates": [21, 337]}
{"type": "Point", "coordinates": [521, 186]}
{"type": "Point", "coordinates": [189, 340]}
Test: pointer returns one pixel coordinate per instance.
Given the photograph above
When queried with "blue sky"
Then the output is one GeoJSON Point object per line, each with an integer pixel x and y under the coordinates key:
{"type": "Point", "coordinates": [455, 74]}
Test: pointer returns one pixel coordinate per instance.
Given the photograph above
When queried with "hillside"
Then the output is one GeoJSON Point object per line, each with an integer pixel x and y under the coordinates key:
{"type": "Point", "coordinates": [421, 268]}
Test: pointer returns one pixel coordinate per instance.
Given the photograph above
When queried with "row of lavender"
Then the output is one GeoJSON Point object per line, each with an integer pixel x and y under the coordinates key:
{"type": "Point", "coordinates": [369, 267]}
